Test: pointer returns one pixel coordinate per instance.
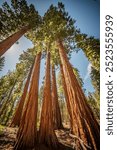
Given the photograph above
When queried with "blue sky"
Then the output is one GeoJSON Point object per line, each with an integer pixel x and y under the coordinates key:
{"type": "Point", "coordinates": [87, 16]}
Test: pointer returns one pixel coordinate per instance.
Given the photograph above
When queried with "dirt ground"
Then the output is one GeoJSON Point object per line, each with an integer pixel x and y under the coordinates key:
{"type": "Point", "coordinates": [8, 136]}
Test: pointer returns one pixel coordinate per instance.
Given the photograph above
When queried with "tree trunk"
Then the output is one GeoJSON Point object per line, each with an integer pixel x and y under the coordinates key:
{"type": "Point", "coordinates": [55, 104]}
{"type": "Point", "coordinates": [7, 43]}
{"type": "Point", "coordinates": [19, 110]}
{"type": "Point", "coordinates": [27, 132]}
{"type": "Point", "coordinates": [46, 132]}
{"type": "Point", "coordinates": [9, 113]}
{"type": "Point", "coordinates": [85, 126]}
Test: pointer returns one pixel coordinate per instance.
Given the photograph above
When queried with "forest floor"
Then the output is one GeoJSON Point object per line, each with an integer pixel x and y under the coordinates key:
{"type": "Point", "coordinates": [8, 136]}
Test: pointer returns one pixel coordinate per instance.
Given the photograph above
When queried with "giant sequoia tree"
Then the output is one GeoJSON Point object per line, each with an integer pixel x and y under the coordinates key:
{"type": "Point", "coordinates": [28, 127]}
{"type": "Point", "coordinates": [18, 114]}
{"type": "Point", "coordinates": [82, 114]}
{"type": "Point", "coordinates": [46, 131]}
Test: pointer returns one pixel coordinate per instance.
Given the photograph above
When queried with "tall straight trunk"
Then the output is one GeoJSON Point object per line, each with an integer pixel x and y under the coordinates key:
{"type": "Point", "coordinates": [7, 43]}
{"type": "Point", "coordinates": [46, 131]}
{"type": "Point", "coordinates": [27, 132]}
{"type": "Point", "coordinates": [19, 110]}
{"type": "Point", "coordinates": [85, 126]}
{"type": "Point", "coordinates": [55, 104]}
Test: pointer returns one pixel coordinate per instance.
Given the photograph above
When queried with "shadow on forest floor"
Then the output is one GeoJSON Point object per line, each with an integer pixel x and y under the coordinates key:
{"type": "Point", "coordinates": [7, 139]}
{"type": "Point", "coordinates": [61, 147]}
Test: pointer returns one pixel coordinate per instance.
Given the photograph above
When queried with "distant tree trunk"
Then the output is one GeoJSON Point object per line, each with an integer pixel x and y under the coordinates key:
{"type": "Point", "coordinates": [9, 107]}
{"type": "Point", "coordinates": [27, 132]}
{"type": "Point", "coordinates": [55, 104]}
{"type": "Point", "coordinates": [8, 98]}
{"type": "Point", "coordinates": [19, 110]}
{"type": "Point", "coordinates": [7, 43]}
{"type": "Point", "coordinates": [9, 113]}
{"type": "Point", "coordinates": [46, 132]}
{"type": "Point", "coordinates": [85, 126]}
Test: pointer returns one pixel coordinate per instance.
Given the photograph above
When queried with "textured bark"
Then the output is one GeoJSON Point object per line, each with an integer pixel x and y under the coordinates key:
{"type": "Point", "coordinates": [85, 126]}
{"type": "Point", "coordinates": [27, 132]}
{"type": "Point", "coordinates": [19, 110]}
{"type": "Point", "coordinates": [46, 132]}
{"type": "Point", "coordinates": [55, 104]}
{"type": "Point", "coordinates": [7, 43]}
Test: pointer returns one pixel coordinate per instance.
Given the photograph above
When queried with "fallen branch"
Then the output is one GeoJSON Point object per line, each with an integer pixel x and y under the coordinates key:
{"type": "Point", "coordinates": [84, 145]}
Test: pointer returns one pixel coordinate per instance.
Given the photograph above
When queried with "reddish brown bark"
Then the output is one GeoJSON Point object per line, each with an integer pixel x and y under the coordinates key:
{"type": "Point", "coordinates": [19, 110]}
{"type": "Point", "coordinates": [7, 43]}
{"type": "Point", "coordinates": [85, 125]}
{"type": "Point", "coordinates": [55, 104]}
{"type": "Point", "coordinates": [46, 132]}
{"type": "Point", "coordinates": [27, 132]}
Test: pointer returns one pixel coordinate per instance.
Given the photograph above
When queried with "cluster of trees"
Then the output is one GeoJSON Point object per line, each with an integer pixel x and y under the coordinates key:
{"type": "Point", "coordinates": [54, 37]}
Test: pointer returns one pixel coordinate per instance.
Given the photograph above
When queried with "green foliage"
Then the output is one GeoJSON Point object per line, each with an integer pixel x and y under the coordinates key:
{"type": "Point", "coordinates": [91, 48]}
{"type": "Point", "coordinates": [16, 16]}
{"type": "Point", "coordinates": [94, 102]}
{"type": "Point", "coordinates": [56, 24]}
{"type": "Point", "coordinates": [95, 79]}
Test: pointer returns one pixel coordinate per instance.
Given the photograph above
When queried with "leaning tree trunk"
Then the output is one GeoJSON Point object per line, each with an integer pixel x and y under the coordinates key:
{"type": "Point", "coordinates": [55, 104]}
{"type": "Point", "coordinates": [85, 126]}
{"type": "Point", "coordinates": [46, 131]}
{"type": "Point", "coordinates": [7, 43]}
{"type": "Point", "coordinates": [27, 132]}
{"type": "Point", "coordinates": [19, 110]}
